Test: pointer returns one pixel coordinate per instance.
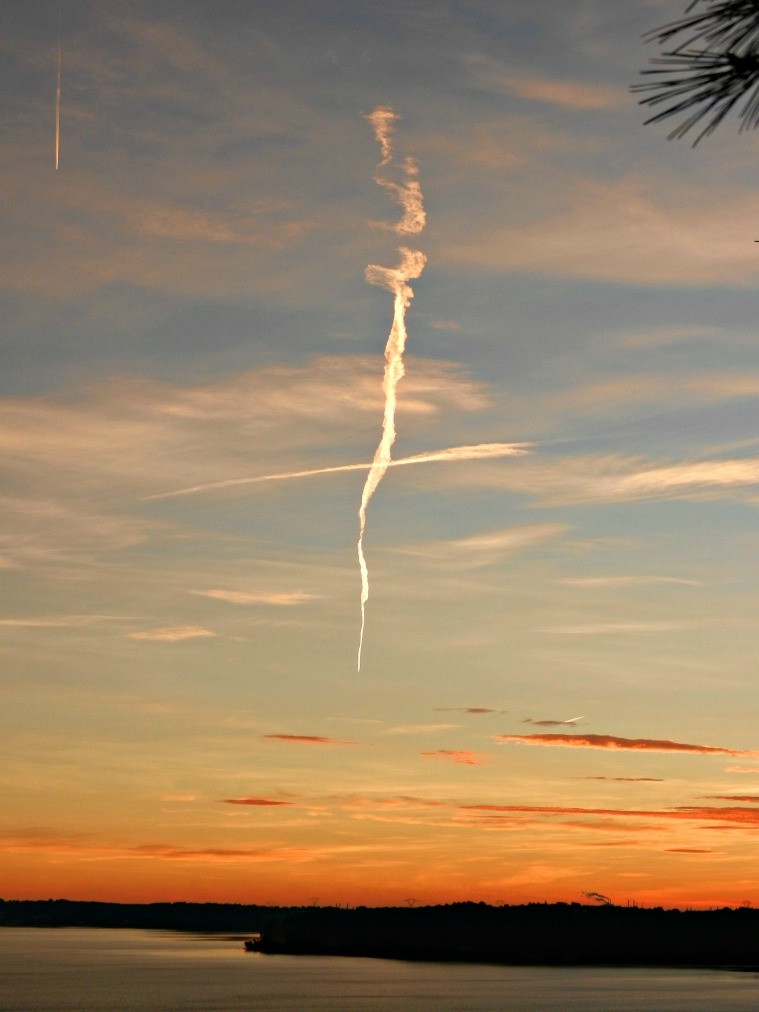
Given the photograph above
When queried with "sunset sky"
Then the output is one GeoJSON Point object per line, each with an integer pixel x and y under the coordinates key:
{"type": "Point", "coordinates": [558, 691]}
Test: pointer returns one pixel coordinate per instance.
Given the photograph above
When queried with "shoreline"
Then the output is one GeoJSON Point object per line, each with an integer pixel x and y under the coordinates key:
{"type": "Point", "coordinates": [532, 935]}
{"type": "Point", "coordinates": [538, 934]}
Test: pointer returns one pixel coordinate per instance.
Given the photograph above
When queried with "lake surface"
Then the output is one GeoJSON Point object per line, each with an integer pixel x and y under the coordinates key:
{"type": "Point", "coordinates": [93, 970]}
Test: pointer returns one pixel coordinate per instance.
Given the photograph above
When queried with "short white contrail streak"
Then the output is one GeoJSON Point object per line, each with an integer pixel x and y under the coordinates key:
{"type": "Point", "coordinates": [58, 96]}
{"type": "Point", "coordinates": [479, 451]}
{"type": "Point", "coordinates": [395, 279]}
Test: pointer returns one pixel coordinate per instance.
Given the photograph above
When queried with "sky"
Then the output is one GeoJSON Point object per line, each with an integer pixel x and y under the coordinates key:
{"type": "Point", "coordinates": [558, 690]}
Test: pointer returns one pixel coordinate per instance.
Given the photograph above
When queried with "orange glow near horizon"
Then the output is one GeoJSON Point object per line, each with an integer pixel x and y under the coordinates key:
{"type": "Point", "coordinates": [380, 851]}
{"type": "Point", "coordinates": [235, 881]}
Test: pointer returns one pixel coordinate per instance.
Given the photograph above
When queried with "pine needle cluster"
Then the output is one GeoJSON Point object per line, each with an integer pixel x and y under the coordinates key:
{"type": "Point", "coordinates": [708, 64]}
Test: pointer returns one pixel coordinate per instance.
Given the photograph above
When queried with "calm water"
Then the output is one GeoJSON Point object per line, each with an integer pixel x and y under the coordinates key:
{"type": "Point", "coordinates": [91, 970]}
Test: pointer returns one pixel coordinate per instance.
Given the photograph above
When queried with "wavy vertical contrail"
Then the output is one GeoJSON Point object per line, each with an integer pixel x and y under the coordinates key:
{"type": "Point", "coordinates": [395, 279]}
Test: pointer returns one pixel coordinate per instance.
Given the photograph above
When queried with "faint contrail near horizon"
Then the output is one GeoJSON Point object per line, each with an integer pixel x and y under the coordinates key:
{"type": "Point", "coordinates": [478, 451]}
{"type": "Point", "coordinates": [394, 279]}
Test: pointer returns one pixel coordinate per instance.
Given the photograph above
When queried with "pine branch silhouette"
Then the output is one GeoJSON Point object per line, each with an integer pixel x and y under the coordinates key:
{"type": "Point", "coordinates": [712, 65]}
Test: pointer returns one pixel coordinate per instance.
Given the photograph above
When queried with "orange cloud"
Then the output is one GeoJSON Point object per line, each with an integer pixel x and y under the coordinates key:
{"type": "Point", "coordinates": [551, 723]}
{"type": "Point", "coordinates": [631, 780]}
{"type": "Point", "coordinates": [85, 849]}
{"type": "Point", "coordinates": [398, 801]}
{"type": "Point", "coordinates": [741, 816]}
{"type": "Point", "coordinates": [310, 739]}
{"type": "Point", "coordinates": [168, 852]}
{"type": "Point", "coordinates": [467, 709]}
{"type": "Point", "coordinates": [278, 598]}
{"type": "Point", "coordinates": [607, 825]}
{"type": "Point", "coordinates": [688, 850]}
{"type": "Point", "coordinates": [171, 634]}
{"type": "Point", "coordinates": [748, 798]}
{"type": "Point", "coordinates": [462, 757]}
{"type": "Point", "coordinates": [254, 801]}
{"type": "Point", "coordinates": [82, 847]}
{"type": "Point", "coordinates": [610, 741]}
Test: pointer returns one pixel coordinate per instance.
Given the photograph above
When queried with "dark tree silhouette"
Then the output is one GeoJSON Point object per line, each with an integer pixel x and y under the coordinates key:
{"type": "Point", "coordinates": [709, 62]}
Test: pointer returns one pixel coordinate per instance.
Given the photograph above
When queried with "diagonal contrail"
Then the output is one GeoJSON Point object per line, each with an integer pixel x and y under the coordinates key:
{"type": "Point", "coordinates": [478, 451]}
{"type": "Point", "coordinates": [409, 195]}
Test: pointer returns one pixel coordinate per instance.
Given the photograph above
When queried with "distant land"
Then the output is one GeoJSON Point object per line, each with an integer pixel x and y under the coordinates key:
{"type": "Point", "coordinates": [555, 934]}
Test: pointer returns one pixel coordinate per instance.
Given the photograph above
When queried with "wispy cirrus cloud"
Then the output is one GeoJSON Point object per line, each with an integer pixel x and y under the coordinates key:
{"type": "Point", "coordinates": [624, 581]}
{"type": "Point", "coordinates": [613, 742]}
{"type": "Point", "coordinates": [309, 739]}
{"type": "Point", "coordinates": [487, 548]}
{"type": "Point", "coordinates": [171, 634]}
{"type": "Point", "coordinates": [460, 757]}
{"type": "Point", "coordinates": [691, 475]}
{"type": "Point", "coordinates": [60, 530]}
{"type": "Point", "coordinates": [278, 598]}
{"type": "Point", "coordinates": [496, 76]}
{"type": "Point", "coordinates": [614, 628]}
{"type": "Point", "coordinates": [420, 728]}
{"type": "Point", "coordinates": [227, 228]}
{"type": "Point", "coordinates": [596, 233]}
{"type": "Point", "coordinates": [657, 337]}
{"type": "Point", "coordinates": [496, 145]}
{"type": "Point", "coordinates": [612, 478]}
{"type": "Point", "coordinates": [61, 621]}
{"type": "Point", "coordinates": [142, 429]}
{"type": "Point", "coordinates": [604, 393]}
{"type": "Point", "coordinates": [93, 449]}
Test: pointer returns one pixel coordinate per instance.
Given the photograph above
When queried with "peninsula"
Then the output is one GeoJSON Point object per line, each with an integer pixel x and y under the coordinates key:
{"type": "Point", "coordinates": [549, 934]}
{"type": "Point", "coordinates": [557, 934]}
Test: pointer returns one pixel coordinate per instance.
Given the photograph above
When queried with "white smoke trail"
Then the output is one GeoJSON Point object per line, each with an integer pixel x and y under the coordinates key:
{"type": "Point", "coordinates": [478, 451]}
{"type": "Point", "coordinates": [409, 196]}
{"type": "Point", "coordinates": [382, 119]}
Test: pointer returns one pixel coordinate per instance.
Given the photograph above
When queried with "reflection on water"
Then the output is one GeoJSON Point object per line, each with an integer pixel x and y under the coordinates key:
{"type": "Point", "coordinates": [92, 970]}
